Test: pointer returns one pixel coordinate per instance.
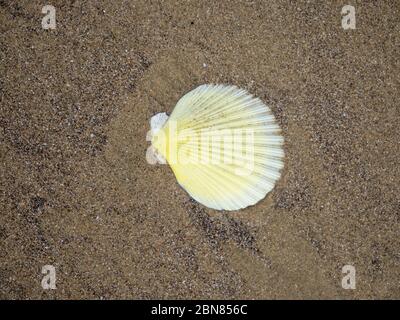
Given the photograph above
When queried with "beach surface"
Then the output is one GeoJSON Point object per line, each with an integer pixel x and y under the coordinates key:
{"type": "Point", "coordinates": [77, 192]}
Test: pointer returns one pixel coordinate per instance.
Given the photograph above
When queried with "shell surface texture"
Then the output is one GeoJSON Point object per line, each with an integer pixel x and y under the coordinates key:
{"type": "Point", "coordinates": [223, 145]}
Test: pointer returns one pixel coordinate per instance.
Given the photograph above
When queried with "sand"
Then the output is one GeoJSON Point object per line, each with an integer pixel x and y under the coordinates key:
{"type": "Point", "coordinates": [78, 194]}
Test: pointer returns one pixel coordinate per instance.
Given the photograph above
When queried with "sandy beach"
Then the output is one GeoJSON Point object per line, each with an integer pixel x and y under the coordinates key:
{"type": "Point", "coordinates": [77, 192]}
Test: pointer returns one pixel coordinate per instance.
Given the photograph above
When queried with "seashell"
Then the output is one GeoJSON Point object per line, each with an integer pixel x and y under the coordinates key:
{"type": "Point", "coordinates": [223, 145]}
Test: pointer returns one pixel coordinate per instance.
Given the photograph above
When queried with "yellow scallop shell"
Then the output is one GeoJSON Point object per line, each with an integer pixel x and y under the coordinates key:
{"type": "Point", "coordinates": [223, 145]}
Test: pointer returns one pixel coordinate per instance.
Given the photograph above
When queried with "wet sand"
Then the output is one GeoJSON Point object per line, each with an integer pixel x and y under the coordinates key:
{"type": "Point", "coordinates": [78, 194]}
